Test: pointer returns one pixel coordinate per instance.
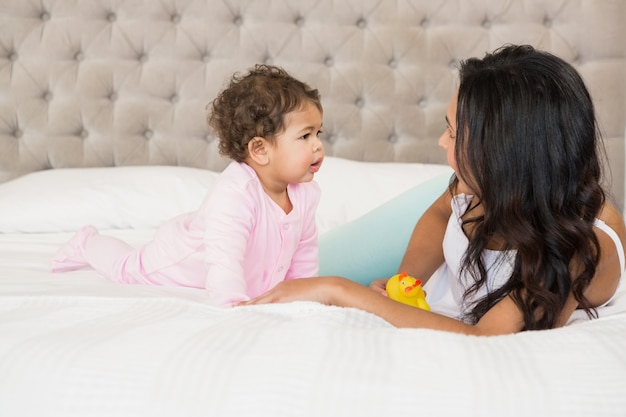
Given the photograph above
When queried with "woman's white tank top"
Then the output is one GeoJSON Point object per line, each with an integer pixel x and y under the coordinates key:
{"type": "Point", "coordinates": [446, 287]}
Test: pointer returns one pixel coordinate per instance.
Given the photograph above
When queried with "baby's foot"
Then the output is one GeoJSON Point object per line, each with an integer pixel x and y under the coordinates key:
{"type": "Point", "coordinates": [70, 256]}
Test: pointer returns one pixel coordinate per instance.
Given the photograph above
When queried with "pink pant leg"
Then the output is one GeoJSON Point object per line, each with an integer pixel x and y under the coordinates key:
{"type": "Point", "coordinates": [120, 262]}
{"type": "Point", "coordinates": [150, 264]}
{"type": "Point", "coordinates": [106, 254]}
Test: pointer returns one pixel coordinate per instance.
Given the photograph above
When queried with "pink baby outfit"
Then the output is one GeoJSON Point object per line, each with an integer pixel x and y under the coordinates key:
{"type": "Point", "coordinates": [238, 245]}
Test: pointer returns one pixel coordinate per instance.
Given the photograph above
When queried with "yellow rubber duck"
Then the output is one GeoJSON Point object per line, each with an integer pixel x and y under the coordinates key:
{"type": "Point", "coordinates": [408, 290]}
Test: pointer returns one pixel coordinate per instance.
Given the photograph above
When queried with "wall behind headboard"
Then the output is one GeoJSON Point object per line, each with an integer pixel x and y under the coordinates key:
{"type": "Point", "coordinates": [126, 82]}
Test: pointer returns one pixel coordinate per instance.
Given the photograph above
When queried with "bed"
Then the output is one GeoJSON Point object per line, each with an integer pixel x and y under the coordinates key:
{"type": "Point", "coordinates": [102, 121]}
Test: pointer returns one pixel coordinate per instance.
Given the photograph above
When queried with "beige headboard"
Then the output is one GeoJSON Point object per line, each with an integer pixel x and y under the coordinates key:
{"type": "Point", "coordinates": [126, 82]}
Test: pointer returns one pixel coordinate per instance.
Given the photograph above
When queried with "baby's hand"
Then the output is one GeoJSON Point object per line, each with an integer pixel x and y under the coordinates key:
{"type": "Point", "coordinates": [379, 286]}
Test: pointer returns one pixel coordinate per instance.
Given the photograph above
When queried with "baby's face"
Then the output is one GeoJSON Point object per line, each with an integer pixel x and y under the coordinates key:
{"type": "Point", "coordinates": [298, 152]}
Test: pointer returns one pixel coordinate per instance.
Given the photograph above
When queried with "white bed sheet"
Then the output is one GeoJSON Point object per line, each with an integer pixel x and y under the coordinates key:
{"type": "Point", "coordinates": [75, 344]}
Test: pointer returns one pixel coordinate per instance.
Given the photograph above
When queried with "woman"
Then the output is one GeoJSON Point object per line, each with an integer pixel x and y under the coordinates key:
{"type": "Point", "coordinates": [523, 236]}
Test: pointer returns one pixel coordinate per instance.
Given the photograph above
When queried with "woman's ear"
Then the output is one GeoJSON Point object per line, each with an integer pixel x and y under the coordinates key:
{"type": "Point", "coordinates": [257, 150]}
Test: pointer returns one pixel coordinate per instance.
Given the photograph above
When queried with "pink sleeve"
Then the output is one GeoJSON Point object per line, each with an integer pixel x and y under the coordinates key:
{"type": "Point", "coordinates": [305, 262]}
{"type": "Point", "coordinates": [228, 217]}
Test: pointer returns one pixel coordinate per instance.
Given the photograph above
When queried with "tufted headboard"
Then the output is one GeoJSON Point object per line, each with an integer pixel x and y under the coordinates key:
{"type": "Point", "coordinates": [126, 82]}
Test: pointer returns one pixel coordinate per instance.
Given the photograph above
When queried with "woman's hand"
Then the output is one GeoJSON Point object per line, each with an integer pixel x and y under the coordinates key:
{"type": "Point", "coordinates": [379, 286]}
{"type": "Point", "coordinates": [319, 289]}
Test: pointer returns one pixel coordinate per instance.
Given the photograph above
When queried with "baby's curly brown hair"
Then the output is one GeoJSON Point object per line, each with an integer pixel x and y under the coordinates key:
{"type": "Point", "coordinates": [255, 104]}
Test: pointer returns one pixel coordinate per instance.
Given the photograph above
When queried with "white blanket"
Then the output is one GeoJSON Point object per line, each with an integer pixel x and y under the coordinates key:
{"type": "Point", "coordinates": [75, 344]}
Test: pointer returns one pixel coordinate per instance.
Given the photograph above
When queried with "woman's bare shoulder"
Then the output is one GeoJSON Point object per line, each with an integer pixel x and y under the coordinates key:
{"type": "Point", "coordinates": [608, 272]}
{"type": "Point", "coordinates": [612, 217]}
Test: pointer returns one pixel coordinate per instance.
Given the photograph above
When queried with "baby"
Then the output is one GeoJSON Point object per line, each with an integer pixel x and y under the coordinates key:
{"type": "Point", "coordinates": [256, 227]}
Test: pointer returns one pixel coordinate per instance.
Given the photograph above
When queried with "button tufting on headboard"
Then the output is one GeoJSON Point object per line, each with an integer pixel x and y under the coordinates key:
{"type": "Point", "coordinates": [83, 82]}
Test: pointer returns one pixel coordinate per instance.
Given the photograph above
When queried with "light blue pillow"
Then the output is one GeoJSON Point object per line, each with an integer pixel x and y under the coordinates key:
{"type": "Point", "coordinates": [372, 246]}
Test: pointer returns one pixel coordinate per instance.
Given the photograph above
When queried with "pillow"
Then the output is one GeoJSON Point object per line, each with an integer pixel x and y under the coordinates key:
{"type": "Point", "coordinates": [144, 197]}
{"type": "Point", "coordinates": [372, 246]}
{"type": "Point", "coordinates": [352, 188]}
{"type": "Point", "coordinates": [137, 197]}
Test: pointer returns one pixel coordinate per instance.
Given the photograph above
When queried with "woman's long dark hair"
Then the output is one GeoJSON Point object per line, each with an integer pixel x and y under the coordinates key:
{"type": "Point", "coordinates": [528, 144]}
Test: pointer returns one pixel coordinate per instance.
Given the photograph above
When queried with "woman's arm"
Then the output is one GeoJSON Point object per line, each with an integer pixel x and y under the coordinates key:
{"type": "Point", "coordinates": [503, 318]}
{"type": "Point", "coordinates": [424, 252]}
